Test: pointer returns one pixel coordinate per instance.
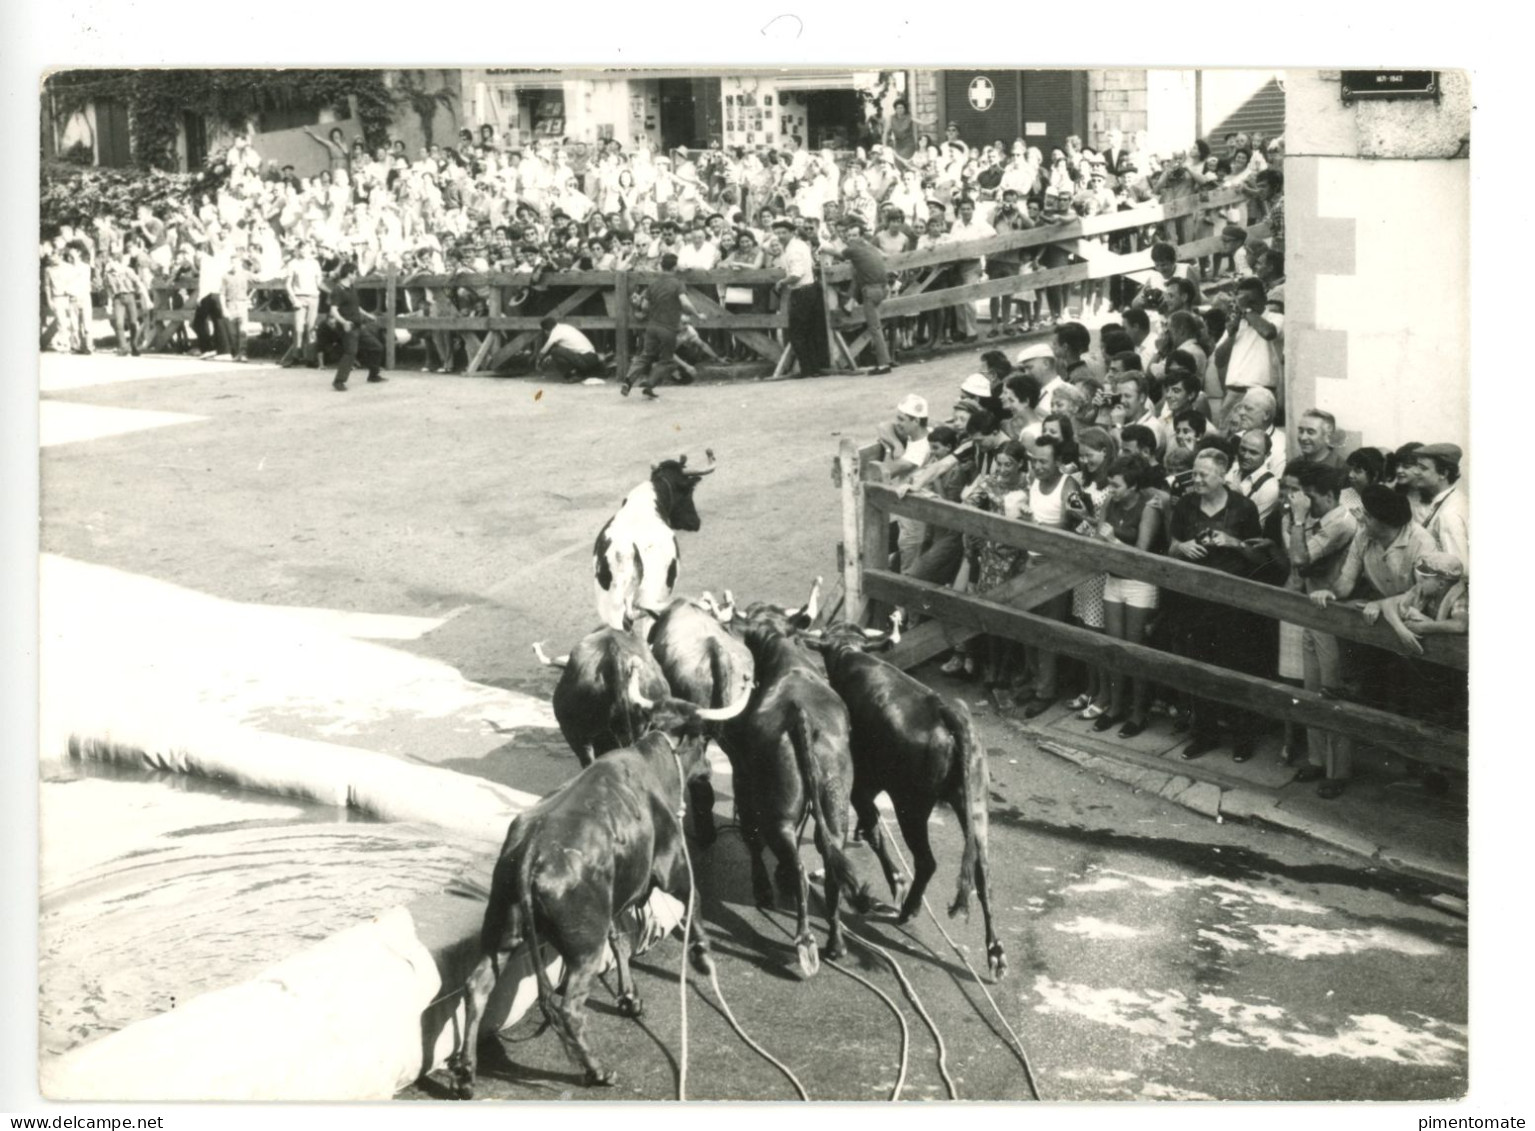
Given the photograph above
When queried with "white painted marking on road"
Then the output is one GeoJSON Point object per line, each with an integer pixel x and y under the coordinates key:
{"type": "Point", "coordinates": [1107, 883]}
{"type": "Point", "coordinates": [1154, 1091]}
{"type": "Point", "coordinates": [1223, 940]}
{"type": "Point", "coordinates": [1171, 1018]}
{"type": "Point", "coordinates": [64, 422]}
{"type": "Point", "coordinates": [1310, 942]}
{"type": "Point", "coordinates": [1370, 1036]}
{"type": "Point", "coordinates": [1097, 929]}
{"type": "Point", "coordinates": [1150, 1013]}
{"type": "Point", "coordinates": [1230, 893]}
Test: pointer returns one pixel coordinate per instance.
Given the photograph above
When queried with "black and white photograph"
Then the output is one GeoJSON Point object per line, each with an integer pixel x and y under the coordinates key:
{"type": "Point", "coordinates": [627, 581]}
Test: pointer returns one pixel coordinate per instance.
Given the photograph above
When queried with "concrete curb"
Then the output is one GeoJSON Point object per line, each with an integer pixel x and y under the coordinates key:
{"type": "Point", "coordinates": [1196, 792]}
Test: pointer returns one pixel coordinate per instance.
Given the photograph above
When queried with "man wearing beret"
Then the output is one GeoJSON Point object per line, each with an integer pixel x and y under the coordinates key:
{"type": "Point", "coordinates": [1447, 517]}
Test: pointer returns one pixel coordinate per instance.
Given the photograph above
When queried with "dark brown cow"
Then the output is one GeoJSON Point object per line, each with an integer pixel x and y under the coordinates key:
{"type": "Point", "coordinates": [578, 859]}
{"type": "Point", "coordinates": [918, 748]}
{"type": "Point", "coordinates": [789, 753]}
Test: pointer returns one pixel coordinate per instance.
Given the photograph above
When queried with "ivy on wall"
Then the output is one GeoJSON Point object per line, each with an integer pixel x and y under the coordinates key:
{"type": "Point", "coordinates": [157, 99]}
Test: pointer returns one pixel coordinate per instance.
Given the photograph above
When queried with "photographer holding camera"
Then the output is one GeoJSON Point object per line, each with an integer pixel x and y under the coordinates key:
{"type": "Point", "coordinates": [1249, 355]}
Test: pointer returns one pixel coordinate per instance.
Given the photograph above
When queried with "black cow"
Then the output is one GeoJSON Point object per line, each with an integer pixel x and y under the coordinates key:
{"type": "Point", "coordinates": [635, 559]}
{"type": "Point", "coordinates": [789, 753]}
{"type": "Point", "coordinates": [596, 706]}
{"type": "Point", "coordinates": [913, 745]}
{"type": "Point", "coordinates": [578, 859]}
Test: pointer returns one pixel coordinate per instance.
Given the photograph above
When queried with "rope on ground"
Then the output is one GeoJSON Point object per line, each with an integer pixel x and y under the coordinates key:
{"type": "Point", "coordinates": [900, 1079]}
{"type": "Point", "coordinates": [751, 1044]}
{"type": "Point", "coordinates": [1023, 1057]}
{"type": "Point", "coordinates": [911, 994]}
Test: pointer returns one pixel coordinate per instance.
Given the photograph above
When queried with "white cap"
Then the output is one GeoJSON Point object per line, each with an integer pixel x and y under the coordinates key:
{"type": "Point", "coordinates": [912, 405]}
{"type": "Point", "coordinates": [1034, 352]}
{"type": "Point", "coordinates": [977, 385]}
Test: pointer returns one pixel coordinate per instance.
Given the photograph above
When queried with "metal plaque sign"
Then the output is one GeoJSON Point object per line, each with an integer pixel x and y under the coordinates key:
{"type": "Point", "coordinates": [1390, 84]}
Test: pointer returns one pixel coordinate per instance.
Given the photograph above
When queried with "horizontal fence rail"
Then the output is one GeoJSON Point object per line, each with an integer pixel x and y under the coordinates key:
{"type": "Point", "coordinates": [1069, 559]}
{"type": "Point", "coordinates": [600, 300]}
{"type": "Point", "coordinates": [1163, 572]}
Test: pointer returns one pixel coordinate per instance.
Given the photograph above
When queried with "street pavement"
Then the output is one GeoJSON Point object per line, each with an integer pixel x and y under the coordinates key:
{"type": "Point", "coordinates": [1154, 952]}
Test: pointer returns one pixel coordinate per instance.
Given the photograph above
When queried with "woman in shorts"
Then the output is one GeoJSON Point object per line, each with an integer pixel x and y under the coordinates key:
{"type": "Point", "coordinates": [1129, 518]}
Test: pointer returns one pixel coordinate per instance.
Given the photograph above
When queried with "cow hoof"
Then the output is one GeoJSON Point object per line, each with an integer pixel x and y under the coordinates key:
{"type": "Point", "coordinates": [703, 961]}
{"type": "Point", "coordinates": [762, 893]}
{"type": "Point", "coordinates": [601, 1077]}
{"type": "Point", "coordinates": [630, 1005]}
{"type": "Point", "coordinates": [809, 957]}
{"type": "Point", "coordinates": [463, 1086]}
{"type": "Point", "coordinates": [998, 961]}
{"type": "Point", "coordinates": [836, 950]}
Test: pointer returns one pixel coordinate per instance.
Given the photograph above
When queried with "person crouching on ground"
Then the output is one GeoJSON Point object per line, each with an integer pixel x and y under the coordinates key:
{"type": "Point", "coordinates": [571, 351]}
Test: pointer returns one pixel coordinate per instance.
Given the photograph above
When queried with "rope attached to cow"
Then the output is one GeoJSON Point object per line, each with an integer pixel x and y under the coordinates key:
{"type": "Point", "coordinates": [687, 928]}
{"type": "Point", "coordinates": [1023, 1057]}
{"type": "Point", "coordinates": [714, 980]}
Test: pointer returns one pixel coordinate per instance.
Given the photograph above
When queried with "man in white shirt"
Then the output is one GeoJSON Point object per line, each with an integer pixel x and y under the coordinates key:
{"type": "Point", "coordinates": [1130, 391]}
{"type": "Point", "coordinates": [698, 253]}
{"type": "Point", "coordinates": [1249, 353]}
{"type": "Point", "coordinates": [212, 265]}
{"type": "Point", "coordinates": [1448, 514]}
{"type": "Point", "coordinates": [1038, 361]}
{"type": "Point", "coordinates": [1256, 409]}
{"type": "Point", "coordinates": [807, 307]}
{"type": "Point", "coordinates": [1250, 475]}
{"type": "Point", "coordinates": [906, 449]}
{"type": "Point", "coordinates": [302, 282]}
{"type": "Point", "coordinates": [966, 229]}
{"type": "Point", "coordinates": [571, 351]}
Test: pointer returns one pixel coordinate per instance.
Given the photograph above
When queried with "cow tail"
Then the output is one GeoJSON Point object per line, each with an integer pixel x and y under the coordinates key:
{"type": "Point", "coordinates": [628, 720]}
{"type": "Point", "coordinates": [837, 864]}
{"type": "Point", "coordinates": [975, 793]}
{"type": "Point", "coordinates": [719, 674]}
{"type": "Point", "coordinates": [524, 906]}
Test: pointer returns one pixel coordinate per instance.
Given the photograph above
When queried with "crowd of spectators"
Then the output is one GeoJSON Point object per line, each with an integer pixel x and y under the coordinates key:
{"type": "Point", "coordinates": [1099, 441]}
{"type": "Point", "coordinates": [486, 204]}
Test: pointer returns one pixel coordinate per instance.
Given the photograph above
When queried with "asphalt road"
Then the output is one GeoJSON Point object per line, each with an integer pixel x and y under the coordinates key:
{"type": "Point", "coordinates": [1153, 954]}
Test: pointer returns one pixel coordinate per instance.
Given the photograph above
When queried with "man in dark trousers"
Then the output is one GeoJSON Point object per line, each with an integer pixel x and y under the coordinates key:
{"type": "Point", "coordinates": [807, 303]}
{"type": "Point", "coordinates": [360, 340]}
{"type": "Point", "coordinates": [869, 274]}
{"type": "Point", "coordinates": [662, 305]}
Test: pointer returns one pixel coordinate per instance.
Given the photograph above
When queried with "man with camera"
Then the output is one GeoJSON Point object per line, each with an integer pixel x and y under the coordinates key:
{"type": "Point", "coordinates": [1210, 525]}
{"type": "Point", "coordinates": [1249, 354]}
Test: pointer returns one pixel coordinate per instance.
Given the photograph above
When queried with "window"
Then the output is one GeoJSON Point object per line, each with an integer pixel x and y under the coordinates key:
{"type": "Point", "coordinates": [292, 117]}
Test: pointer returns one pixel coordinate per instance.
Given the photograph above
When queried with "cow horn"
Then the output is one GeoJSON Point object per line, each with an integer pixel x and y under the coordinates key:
{"type": "Point", "coordinates": [813, 606]}
{"type": "Point", "coordinates": [546, 660]}
{"type": "Point", "coordinates": [720, 714]}
{"type": "Point", "coordinates": [636, 696]}
{"type": "Point", "coordinates": [709, 452]}
{"type": "Point", "coordinates": [897, 618]}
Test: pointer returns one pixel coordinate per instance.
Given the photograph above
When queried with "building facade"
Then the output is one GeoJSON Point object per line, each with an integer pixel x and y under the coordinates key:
{"type": "Point", "coordinates": [1378, 203]}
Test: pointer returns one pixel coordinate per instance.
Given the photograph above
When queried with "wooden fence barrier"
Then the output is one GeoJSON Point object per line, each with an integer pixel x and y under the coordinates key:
{"type": "Point", "coordinates": [600, 300]}
{"type": "Point", "coordinates": [1068, 560]}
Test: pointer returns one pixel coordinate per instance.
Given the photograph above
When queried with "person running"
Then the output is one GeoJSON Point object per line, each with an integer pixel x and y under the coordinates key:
{"type": "Point", "coordinates": [662, 305]}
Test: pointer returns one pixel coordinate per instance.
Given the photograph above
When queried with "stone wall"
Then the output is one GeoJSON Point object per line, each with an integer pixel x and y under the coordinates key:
{"type": "Point", "coordinates": [1116, 100]}
{"type": "Point", "coordinates": [925, 86]}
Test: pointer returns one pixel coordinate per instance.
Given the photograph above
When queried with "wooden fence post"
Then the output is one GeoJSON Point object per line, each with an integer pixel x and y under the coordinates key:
{"type": "Point", "coordinates": [850, 477]}
{"type": "Point", "coordinates": [874, 552]}
{"type": "Point", "coordinates": [389, 311]}
{"type": "Point", "coordinates": [622, 307]}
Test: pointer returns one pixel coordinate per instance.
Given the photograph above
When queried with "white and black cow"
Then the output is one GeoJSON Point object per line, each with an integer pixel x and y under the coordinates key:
{"type": "Point", "coordinates": [634, 562]}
